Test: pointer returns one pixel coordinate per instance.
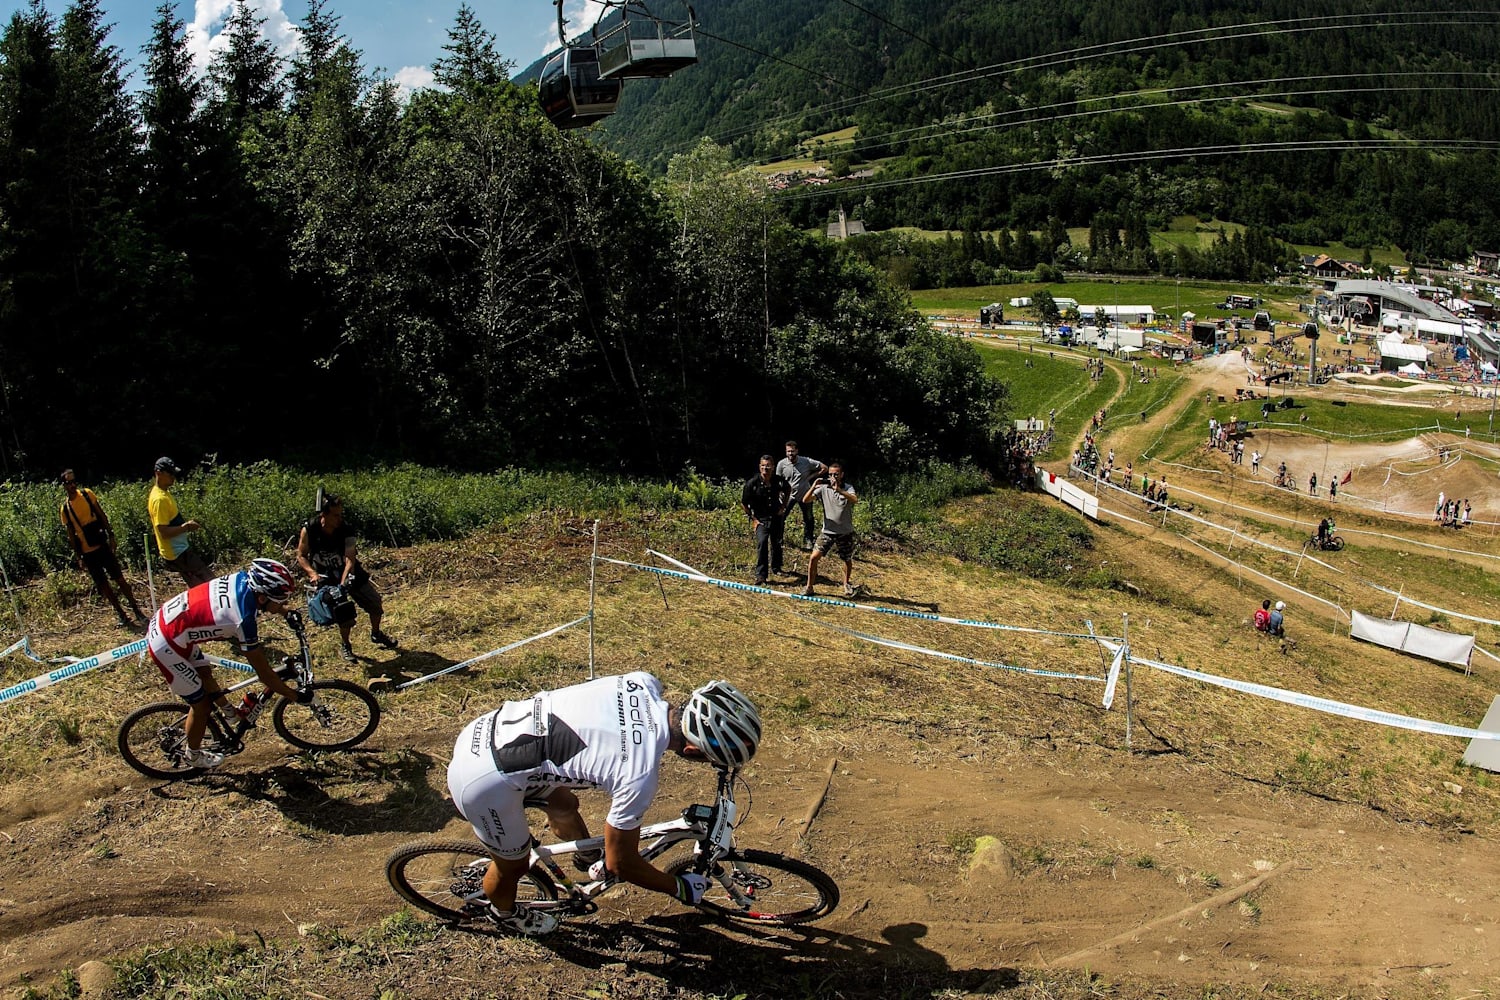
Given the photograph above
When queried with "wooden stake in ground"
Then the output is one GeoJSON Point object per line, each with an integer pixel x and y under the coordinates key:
{"type": "Point", "coordinates": [812, 810]}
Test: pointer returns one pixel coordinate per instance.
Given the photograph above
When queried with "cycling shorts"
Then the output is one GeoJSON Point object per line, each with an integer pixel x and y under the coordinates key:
{"type": "Point", "coordinates": [492, 802]}
{"type": "Point", "coordinates": [182, 672]}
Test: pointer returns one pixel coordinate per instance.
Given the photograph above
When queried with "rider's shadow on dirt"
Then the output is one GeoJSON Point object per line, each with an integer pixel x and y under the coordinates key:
{"type": "Point", "coordinates": [300, 789]}
{"type": "Point", "coordinates": [699, 954]}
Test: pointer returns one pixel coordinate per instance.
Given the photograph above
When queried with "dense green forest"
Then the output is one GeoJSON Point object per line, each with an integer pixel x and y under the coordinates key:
{"type": "Point", "coordinates": [287, 260]}
{"type": "Point", "coordinates": [1059, 112]}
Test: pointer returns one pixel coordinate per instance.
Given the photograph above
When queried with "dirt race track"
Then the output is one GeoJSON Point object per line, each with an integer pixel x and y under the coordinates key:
{"type": "Point", "coordinates": [1128, 868]}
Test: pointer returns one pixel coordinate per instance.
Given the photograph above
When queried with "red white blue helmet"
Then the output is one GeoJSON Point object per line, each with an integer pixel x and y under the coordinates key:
{"type": "Point", "coordinates": [723, 723]}
{"type": "Point", "coordinates": [271, 580]}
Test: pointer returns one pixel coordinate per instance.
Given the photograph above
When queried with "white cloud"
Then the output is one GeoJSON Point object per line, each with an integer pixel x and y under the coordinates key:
{"type": "Point", "coordinates": [580, 15]}
{"type": "Point", "coordinates": [412, 78]}
{"type": "Point", "coordinates": [205, 35]}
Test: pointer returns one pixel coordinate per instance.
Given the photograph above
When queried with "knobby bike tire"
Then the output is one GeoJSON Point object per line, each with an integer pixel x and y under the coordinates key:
{"type": "Point", "coordinates": [142, 740]}
{"type": "Point", "coordinates": [437, 875]}
{"type": "Point", "coordinates": [1338, 543]}
{"type": "Point", "coordinates": [356, 713]}
{"type": "Point", "coordinates": [786, 891]}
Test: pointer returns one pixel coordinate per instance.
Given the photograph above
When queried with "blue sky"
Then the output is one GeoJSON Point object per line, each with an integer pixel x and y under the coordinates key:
{"type": "Point", "coordinates": [404, 37]}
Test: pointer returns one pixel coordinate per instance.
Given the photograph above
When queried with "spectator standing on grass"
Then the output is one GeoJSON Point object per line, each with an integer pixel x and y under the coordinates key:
{"type": "Point", "coordinates": [766, 499]}
{"type": "Point", "coordinates": [798, 470]}
{"type": "Point", "coordinates": [327, 553]}
{"type": "Point", "coordinates": [93, 540]}
{"type": "Point", "coordinates": [838, 499]}
{"type": "Point", "coordinates": [171, 530]}
{"type": "Point", "coordinates": [1437, 512]}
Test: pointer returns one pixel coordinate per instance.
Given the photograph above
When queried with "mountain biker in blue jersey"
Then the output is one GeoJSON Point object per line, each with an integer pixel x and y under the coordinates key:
{"type": "Point", "coordinates": [609, 734]}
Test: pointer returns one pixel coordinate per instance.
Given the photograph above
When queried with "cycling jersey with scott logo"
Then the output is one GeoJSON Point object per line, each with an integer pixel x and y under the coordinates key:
{"type": "Point", "coordinates": [222, 608]}
{"type": "Point", "coordinates": [608, 734]}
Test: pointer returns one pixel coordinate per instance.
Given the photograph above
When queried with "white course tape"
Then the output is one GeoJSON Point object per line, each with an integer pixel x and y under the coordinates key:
{"type": "Point", "coordinates": [72, 670]}
{"type": "Point", "coordinates": [677, 562]}
{"type": "Point", "coordinates": [1265, 576]}
{"type": "Point", "coordinates": [1429, 607]}
{"type": "Point", "coordinates": [23, 646]}
{"type": "Point", "coordinates": [834, 602]}
{"type": "Point", "coordinates": [1487, 653]}
{"type": "Point", "coordinates": [1114, 678]}
{"type": "Point", "coordinates": [492, 653]}
{"type": "Point", "coordinates": [1323, 704]}
{"type": "Point", "coordinates": [956, 658]}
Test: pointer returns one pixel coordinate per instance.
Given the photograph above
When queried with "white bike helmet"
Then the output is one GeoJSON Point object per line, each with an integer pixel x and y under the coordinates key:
{"type": "Point", "coordinates": [723, 723]}
{"type": "Point", "coordinates": [271, 580]}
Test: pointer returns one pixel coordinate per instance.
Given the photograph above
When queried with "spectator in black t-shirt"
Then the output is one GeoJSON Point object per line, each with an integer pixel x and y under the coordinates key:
{"type": "Point", "coordinates": [766, 498]}
{"type": "Point", "coordinates": [327, 554]}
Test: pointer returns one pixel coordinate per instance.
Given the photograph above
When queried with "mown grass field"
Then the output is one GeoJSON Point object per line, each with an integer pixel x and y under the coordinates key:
{"type": "Point", "coordinates": [1163, 295]}
{"type": "Point", "coordinates": [1054, 380]}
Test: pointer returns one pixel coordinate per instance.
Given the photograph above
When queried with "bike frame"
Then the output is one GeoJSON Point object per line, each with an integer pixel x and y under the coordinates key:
{"type": "Point", "coordinates": [231, 728]}
{"type": "Point", "coordinates": [712, 827]}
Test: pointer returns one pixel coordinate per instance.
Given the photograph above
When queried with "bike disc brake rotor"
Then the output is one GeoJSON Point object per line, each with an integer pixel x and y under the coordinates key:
{"type": "Point", "coordinates": [749, 880]}
{"type": "Point", "coordinates": [173, 743]}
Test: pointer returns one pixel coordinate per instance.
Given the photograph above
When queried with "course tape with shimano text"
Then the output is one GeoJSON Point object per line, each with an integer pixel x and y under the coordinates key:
{"type": "Point", "coordinates": [1324, 705]}
{"type": "Point", "coordinates": [90, 663]}
{"type": "Point", "coordinates": [834, 602]}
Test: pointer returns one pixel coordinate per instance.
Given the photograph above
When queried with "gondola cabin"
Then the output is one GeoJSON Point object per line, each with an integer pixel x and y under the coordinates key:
{"type": "Point", "coordinates": [645, 48]}
{"type": "Point", "coordinates": [571, 91]}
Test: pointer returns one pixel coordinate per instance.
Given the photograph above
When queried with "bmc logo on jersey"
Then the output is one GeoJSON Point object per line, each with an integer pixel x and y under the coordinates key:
{"type": "Point", "coordinates": [199, 634]}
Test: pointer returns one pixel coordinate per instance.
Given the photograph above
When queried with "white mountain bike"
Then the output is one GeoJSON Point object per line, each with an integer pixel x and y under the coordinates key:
{"type": "Point", "coordinates": [444, 877]}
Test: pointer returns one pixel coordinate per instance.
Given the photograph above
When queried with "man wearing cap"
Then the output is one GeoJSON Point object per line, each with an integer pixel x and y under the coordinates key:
{"type": "Point", "coordinates": [1276, 625]}
{"type": "Point", "coordinates": [171, 530]}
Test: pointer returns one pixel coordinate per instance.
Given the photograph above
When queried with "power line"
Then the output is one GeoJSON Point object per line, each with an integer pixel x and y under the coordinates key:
{"type": "Point", "coordinates": [1145, 43]}
{"type": "Point", "coordinates": [785, 62]}
{"type": "Point", "coordinates": [1146, 156]}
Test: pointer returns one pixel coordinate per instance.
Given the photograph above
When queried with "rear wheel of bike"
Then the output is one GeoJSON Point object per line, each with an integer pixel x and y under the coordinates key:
{"type": "Point", "coordinates": [446, 878]}
{"type": "Point", "coordinates": [1336, 543]}
{"type": "Point", "coordinates": [344, 716]}
{"type": "Point", "coordinates": [781, 890]}
{"type": "Point", "coordinates": [153, 741]}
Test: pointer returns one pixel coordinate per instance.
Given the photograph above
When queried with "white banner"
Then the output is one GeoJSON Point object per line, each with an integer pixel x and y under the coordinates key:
{"type": "Point", "coordinates": [1414, 640]}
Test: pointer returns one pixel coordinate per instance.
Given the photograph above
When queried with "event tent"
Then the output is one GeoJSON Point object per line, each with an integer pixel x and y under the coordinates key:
{"type": "Point", "coordinates": [1411, 369]}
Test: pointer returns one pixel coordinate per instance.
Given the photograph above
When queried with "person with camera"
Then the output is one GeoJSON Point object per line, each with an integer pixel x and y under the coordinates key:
{"type": "Point", "coordinates": [838, 499]}
{"type": "Point", "coordinates": [93, 540]}
{"type": "Point", "coordinates": [328, 555]}
{"type": "Point", "coordinates": [765, 500]}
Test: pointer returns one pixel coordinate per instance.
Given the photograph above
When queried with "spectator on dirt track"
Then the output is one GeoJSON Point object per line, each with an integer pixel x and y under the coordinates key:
{"type": "Point", "coordinates": [798, 470]}
{"type": "Point", "coordinates": [327, 553]}
{"type": "Point", "coordinates": [170, 529]}
{"type": "Point", "coordinates": [765, 499]}
{"type": "Point", "coordinates": [838, 499]}
{"type": "Point", "coordinates": [93, 540]}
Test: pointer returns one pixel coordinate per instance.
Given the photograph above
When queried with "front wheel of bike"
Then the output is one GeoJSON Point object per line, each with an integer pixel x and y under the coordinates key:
{"type": "Point", "coordinates": [153, 741]}
{"type": "Point", "coordinates": [1336, 543]}
{"type": "Point", "coordinates": [342, 716]}
{"type": "Point", "coordinates": [446, 878]}
{"type": "Point", "coordinates": [775, 889]}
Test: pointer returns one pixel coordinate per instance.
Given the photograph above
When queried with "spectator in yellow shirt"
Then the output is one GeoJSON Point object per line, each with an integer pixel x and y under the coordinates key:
{"type": "Point", "coordinates": [171, 530]}
{"type": "Point", "coordinates": [93, 540]}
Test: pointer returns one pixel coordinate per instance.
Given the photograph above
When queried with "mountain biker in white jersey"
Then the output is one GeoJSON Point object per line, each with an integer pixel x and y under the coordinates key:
{"type": "Point", "coordinates": [608, 734]}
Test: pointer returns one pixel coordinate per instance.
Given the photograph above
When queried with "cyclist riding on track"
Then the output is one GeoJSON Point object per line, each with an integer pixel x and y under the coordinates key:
{"type": "Point", "coordinates": [609, 734]}
{"type": "Point", "coordinates": [224, 608]}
